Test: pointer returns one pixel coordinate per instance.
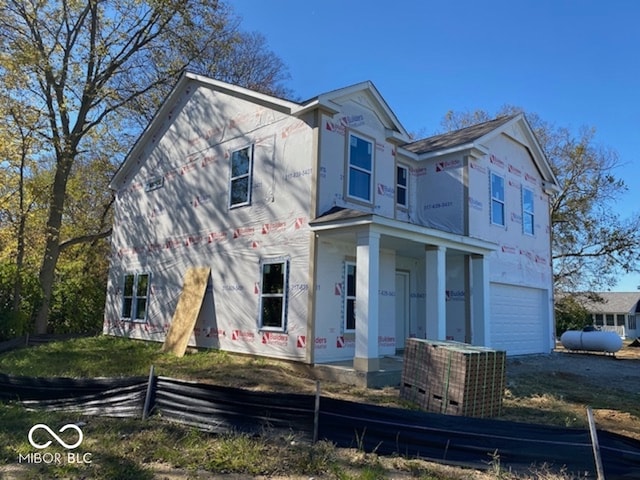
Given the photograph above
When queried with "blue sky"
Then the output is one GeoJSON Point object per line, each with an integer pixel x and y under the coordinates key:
{"type": "Point", "coordinates": [575, 63]}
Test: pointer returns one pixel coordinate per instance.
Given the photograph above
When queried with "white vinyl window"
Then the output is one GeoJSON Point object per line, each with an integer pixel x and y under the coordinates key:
{"type": "Point", "coordinates": [497, 199]}
{"type": "Point", "coordinates": [360, 173]}
{"type": "Point", "coordinates": [599, 319]}
{"type": "Point", "coordinates": [241, 177]}
{"type": "Point", "coordinates": [402, 186]}
{"type": "Point", "coordinates": [528, 218]}
{"type": "Point", "coordinates": [135, 298]}
{"type": "Point", "coordinates": [349, 297]}
{"type": "Point", "coordinates": [273, 294]}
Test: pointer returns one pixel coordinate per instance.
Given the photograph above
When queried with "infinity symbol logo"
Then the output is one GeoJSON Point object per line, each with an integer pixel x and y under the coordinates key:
{"type": "Point", "coordinates": [56, 437]}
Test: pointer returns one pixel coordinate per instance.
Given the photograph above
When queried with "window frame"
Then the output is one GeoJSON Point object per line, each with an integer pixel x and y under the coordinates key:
{"type": "Point", "coordinates": [248, 175]}
{"type": "Point", "coordinates": [284, 295]}
{"type": "Point", "coordinates": [349, 298]}
{"type": "Point", "coordinates": [528, 214]}
{"type": "Point", "coordinates": [357, 168]}
{"type": "Point", "coordinates": [497, 201]}
{"type": "Point", "coordinates": [135, 297]}
{"type": "Point", "coordinates": [400, 187]}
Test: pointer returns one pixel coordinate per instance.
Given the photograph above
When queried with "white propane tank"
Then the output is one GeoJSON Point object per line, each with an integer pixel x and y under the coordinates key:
{"type": "Point", "coordinates": [595, 341]}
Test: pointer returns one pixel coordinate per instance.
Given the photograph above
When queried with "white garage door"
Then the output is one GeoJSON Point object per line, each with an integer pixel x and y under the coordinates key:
{"type": "Point", "coordinates": [519, 319]}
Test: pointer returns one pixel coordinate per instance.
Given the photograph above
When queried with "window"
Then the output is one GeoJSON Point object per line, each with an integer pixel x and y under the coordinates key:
{"type": "Point", "coordinates": [632, 322]}
{"type": "Point", "coordinates": [599, 319]}
{"type": "Point", "coordinates": [610, 320]}
{"type": "Point", "coordinates": [360, 174]}
{"type": "Point", "coordinates": [135, 296]}
{"type": "Point", "coordinates": [350, 297]}
{"type": "Point", "coordinates": [497, 199]}
{"type": "Point", "coordinates": [273, 295]}
{"type": "Point", "coordinates": [402, 186]}
{"type": "Point", "coordinates": [154, 184]}
{"type": "Point", "coordinates": [620, 320]}
{"type": "Point", "coordinates": [240, 184]}
{"type": "Point", "coordinates": [527, 211]}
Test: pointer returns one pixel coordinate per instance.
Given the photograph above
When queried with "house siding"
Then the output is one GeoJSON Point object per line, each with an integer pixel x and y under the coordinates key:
{"type": "Point", "coordinates": [355, 118]}
{"type": "Point", "coordinates": [300, 171]}
{"type": "Point", "coordinates": [187, 222]}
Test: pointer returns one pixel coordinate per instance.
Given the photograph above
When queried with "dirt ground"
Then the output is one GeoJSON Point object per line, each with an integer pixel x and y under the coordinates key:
{"type": "Point", "coordinates": [620, 372]}
{"type": "Point", "coordinates": [606, 373]}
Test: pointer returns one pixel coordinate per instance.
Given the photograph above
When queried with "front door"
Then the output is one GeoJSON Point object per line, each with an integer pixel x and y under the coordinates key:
{"type": "Point", "coordinates": [402, 309]}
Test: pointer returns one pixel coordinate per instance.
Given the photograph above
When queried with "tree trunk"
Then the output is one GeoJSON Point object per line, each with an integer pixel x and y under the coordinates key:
{"type": "Point", "coordinates": [52, 248]}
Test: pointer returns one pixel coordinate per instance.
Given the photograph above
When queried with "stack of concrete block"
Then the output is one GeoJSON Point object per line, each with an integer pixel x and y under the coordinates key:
{"type": "Point", "coordinates": [453, 378]}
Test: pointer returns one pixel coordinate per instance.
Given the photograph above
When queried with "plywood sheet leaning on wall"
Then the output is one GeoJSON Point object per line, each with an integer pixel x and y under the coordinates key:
{"type": "Point", "coordinates": [187, 310]}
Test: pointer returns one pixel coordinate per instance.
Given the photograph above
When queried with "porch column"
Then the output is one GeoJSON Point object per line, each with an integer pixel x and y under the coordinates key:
{"type": "Point", "coordinates": [436, 295]}
{"type": "Point", "coordinates": [367, 286]}
{"type": "Point", "coordinates": [480, 332]}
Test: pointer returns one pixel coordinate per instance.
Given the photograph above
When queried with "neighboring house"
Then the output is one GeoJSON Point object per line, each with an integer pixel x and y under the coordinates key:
{"type": "Point", "coordinates": [614, 311]}
{"type": "Point", "coordinates": [330, 235]}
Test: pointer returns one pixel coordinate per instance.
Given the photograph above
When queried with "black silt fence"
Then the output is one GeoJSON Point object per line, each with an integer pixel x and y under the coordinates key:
{"type": "Point", "coordinates": [448, 439]}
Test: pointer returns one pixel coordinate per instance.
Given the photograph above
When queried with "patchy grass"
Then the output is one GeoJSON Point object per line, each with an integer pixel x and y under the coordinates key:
{"type": "Point", "coordinates": [135, 449]}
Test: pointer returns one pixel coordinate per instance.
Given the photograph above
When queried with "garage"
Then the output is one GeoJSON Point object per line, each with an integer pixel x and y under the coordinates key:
{"type": "Point", "coordinates": [519, 319]}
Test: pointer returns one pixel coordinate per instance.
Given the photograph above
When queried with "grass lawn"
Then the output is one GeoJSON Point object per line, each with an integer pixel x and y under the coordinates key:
{"type": "Point", "coordinates": [122, 449]}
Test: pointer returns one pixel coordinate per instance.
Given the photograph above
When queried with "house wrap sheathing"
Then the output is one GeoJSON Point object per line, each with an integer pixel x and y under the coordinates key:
{"type": "Point", "coordinates": [328, 234]}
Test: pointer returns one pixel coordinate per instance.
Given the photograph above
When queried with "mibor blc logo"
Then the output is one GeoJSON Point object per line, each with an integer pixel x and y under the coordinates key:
{"type": "Point", "coordinates": [56, 458]}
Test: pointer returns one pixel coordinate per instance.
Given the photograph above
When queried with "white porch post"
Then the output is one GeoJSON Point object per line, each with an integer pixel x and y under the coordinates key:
{"type": "Point", "coordinates": [367, 286]}
{"type": "Point", "coordinates": [480, 328]}
{"type": "Point", "coordinates": [436, 296]}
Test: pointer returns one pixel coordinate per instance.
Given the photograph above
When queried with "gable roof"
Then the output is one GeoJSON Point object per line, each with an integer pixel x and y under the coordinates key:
{"type": "Point", "coordinates": [329, 102]}
{"type": "Point", "coordinates": [611, 302]}
{"type": "Point", "coordinates": [457, 137]}
{"type": "Point", "coordinates": [474, 138]}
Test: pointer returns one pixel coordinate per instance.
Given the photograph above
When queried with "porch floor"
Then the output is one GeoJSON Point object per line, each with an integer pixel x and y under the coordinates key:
{"type": "Point", "coordinates": [388, 375]}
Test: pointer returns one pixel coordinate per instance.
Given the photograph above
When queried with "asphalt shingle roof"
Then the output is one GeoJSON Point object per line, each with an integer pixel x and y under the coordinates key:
{"type": "Point", "coordinates": [613, 302]}
{"type": "Point", "coordinates": [457, 137]}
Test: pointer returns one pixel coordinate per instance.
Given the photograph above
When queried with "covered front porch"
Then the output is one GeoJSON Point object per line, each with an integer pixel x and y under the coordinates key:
{"type": "Point", "coordinates": [406, 280]}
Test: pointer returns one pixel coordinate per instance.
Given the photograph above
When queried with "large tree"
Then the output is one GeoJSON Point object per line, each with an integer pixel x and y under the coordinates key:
{"type": "Point", "coordinates": [591, 243]}
{"type": "Point", "coordinates": [94, 71]}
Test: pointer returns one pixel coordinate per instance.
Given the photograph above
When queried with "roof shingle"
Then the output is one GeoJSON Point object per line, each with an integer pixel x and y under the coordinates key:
{"type": "Point", "coordinates": [457, 137]}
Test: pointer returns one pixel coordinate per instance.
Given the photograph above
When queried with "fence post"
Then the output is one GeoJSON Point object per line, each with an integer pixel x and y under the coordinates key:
{"type": "Point", "coordinates": [316, 412]}
{"type": "Point", "coordinates": [147, 400]}
{"type": "Point", "coordinates": [595, 444]}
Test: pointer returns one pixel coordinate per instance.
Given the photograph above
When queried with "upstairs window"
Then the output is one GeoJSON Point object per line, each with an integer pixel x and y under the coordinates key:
{"type": "Point", "coordinates": [350, 297]}
{"type": "Point", "coordinates": [273, 295]}
{"type": "Point", "coordinates": [402, 186]}
{"type": "Point", "coordinates": [497, 199]}
{"type": "Point", "coordinates": [240, 183]}
{"type": "Point", "coordinates": [527, 211]}
{"type": "Point", "coordinates": [135, 297]}
{"type": "Point", "coordinates": [360, 173]}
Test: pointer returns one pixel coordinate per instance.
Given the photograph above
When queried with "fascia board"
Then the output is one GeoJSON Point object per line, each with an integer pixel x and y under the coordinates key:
{"type": "Point", "coordinates": [394, 136]}
{"type": "Point", "coordinates": [537, 154]}
{"type": "Point", "coordinates": [140, 144]}
{"type": "Point", "coordinates": [268, 101]}
{"type": "Point", "coordinates": [407, 153]}
{"type": "Point", "coordinates": [263, 99]}
{"type": "Point", "coordinates": [412, 232]}
{"type": "Point", "coordinates": [475, 149]}
{"type": "Point", "coordinates": [324, 105]}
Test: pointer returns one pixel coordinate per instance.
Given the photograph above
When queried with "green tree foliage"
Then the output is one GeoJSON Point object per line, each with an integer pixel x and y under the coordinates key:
{"type": "Point", "coordinates": [591, 243]}
{"type": "Point", "coordinates": [570, 314]}
{"type": "Point", "coordinates": [78, 82]}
